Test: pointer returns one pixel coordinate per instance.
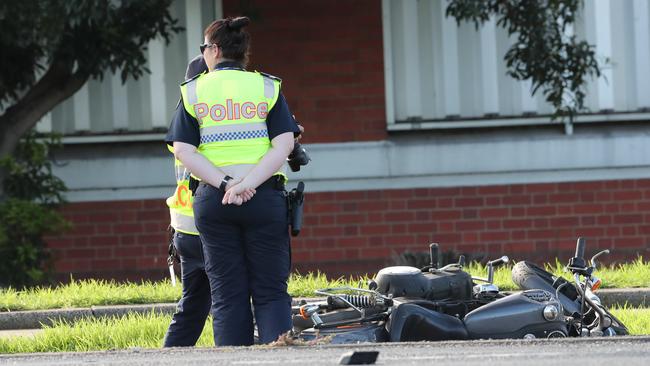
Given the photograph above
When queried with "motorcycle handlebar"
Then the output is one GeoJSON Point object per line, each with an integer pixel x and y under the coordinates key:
{"type": "Point", "coordinates": [499, 261]}
{"type": "Point", "coordinates": [433, 255]}
{"type": "Point", "coordinates": [580, 248]}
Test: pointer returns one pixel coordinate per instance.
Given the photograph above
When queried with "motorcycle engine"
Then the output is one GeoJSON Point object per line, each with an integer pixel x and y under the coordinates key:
{"type": "Point", "coordinates": [405, 281]}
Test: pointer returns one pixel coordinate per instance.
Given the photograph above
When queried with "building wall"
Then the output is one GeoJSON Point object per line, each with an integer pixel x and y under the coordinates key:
{"type": "Point", "coordinates": [373, 195]}
{"type": "Point", "coordinates": [329, 55]}
{"type": "Point", "coordinates": [358, 232]}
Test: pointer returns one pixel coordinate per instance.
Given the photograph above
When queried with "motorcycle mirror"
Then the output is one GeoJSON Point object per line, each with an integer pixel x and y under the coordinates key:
{"type": "Point", "coordinates": [499, 261]}
{"type": "Point", "coordinates": [593, 259]}
{"type": "Point", "coordinates": [462, 261]}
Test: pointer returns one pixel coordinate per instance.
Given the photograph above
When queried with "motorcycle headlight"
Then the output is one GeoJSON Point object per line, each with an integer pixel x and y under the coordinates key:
{"type": "Point", "coordinates": [551, 312]}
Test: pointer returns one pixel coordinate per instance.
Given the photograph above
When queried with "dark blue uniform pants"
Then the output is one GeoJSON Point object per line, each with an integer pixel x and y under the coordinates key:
{"type": "Point", "coordinates": [194, 306]}
{"type": "Point", "coordinates": [247, 255]}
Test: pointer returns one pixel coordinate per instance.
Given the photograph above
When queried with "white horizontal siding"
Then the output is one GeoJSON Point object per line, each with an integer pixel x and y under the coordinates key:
{"type": "Point", "coordinates": [464, 70]}
{"type": "Point", "coordinates": [142, 105]}
{"type": "Point", "coordinates": [451, 160]}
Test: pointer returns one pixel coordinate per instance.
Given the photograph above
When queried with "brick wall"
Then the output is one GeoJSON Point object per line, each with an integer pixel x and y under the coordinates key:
{"type": "Point", "coordinates": [357, 232]}
{"type": "Point", "coordinates": [121, 240]}
{"type": "Point", "coordinates": [330, 57]}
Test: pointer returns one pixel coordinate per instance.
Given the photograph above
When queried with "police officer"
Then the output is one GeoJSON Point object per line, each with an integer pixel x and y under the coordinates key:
{"type": "Point", "coordinates": [234, 131]}
{"type": "Point", "coordinates": [193, 308]}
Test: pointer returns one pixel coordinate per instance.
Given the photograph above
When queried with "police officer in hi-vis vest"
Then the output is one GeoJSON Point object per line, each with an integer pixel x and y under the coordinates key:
{"type": "Point", "coordinates": [233, 131]}
{"type": "Point", "coordinates": [193, 308]}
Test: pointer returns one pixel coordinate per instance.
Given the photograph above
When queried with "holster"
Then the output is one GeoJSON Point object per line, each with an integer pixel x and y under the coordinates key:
{"type": "Point", "coordinates": [194, 184]}
{"type": "Point", "coordinates": [171, 250]}
{"type": "Point", "coordinates": [296, 201]}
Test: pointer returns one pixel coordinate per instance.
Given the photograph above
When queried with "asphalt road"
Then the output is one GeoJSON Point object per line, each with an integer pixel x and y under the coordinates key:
{"type": "Point", "coordinates": [628, 351]}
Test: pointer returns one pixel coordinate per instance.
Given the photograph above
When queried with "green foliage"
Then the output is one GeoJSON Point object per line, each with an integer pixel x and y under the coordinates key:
{"type": "Point", "coordinates": [84, 37]}
{"type": "Point", "coordinates": [29, 212]}
{"type": "Point", "coordinates": [544, 50]}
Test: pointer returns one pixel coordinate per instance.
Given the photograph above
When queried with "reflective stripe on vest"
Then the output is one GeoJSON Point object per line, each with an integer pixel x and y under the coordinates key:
{"type": "Point", "coordinates": [231, 107]}
{"type": "Point", "coordinates": [182, 222]}
{"type": "Point", "coordinates": [180, 203]}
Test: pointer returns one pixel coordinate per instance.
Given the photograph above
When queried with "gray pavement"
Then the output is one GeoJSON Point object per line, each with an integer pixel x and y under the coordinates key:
{"type": "Point", "coordinates": [628, 351]}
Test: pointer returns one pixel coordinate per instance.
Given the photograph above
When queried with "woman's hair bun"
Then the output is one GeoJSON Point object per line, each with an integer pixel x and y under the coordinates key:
{"type": "Point", "coordinates": [238, 23]}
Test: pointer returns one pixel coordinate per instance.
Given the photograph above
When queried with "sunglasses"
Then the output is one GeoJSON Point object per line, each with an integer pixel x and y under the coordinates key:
{"type": "Point", "coordinates": [203, 46]}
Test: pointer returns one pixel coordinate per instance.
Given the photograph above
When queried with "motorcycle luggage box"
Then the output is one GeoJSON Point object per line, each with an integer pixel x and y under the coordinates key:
{"type": "Point", "coordinates": [405, 281]}
{"type": "Point", "coordinates": [413, 323]}
{"type": "Point", "coordinates": [530, 314]}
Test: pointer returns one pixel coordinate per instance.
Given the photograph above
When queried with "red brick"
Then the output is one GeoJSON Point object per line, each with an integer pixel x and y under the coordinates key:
{"type": "Point", "coordinates": [628, 230]}
{"type": "Point", "coordinates": [564, 221]}
{"type": "Point", "coordinates": [326, 219]}
{"type": "Point", "coordinates": [373, 205]}
{"type": "Point", "coordinates": [354, 242]}
{"type": "Point", "coordinates": [587, 186]}
{"type": "Point", "coordinates": [350, 219]}
{"type": "Point", "coordinates": [421, 203]}
{"type": "Point", "coordinates": [83, 230]}
{"type": "Point", "coordinates": [80, 253]}
{"type": "Point", "coordinates": [628, 219]}
{"type": "Point", "coordinates": [399, 216]}
{"type": "Point", "coordinates": [627, 195]}
{"type": "Point", "coordinates": [446, 215]}
{"type": "Point", "coordinates": [541, 210]}
{"type": "Point", "coordinates": [517, 224]}
{"type": "Point", "coordinates": [398, 194]}
{"type": "Point", "coordinates": [445, 203]}
{"type": "Point", "coordinates": [564, 198]}
{"type": "Point", "coordinates": [493, 225]}
{"type": "Point", "coordinates": [468, 202]}
{"type": "Point", "coordinates": [540, 223]}
{"type": "Point", "coordinates": [493, 212]}
{"type": "Point", "coordinates": [106, 264]}
{"type": "Point", "coordinates": [327, 231]}
{"type": "Point", "coordinates": [328, 255]}
{"type": "Point", "coordinates": [103, 241]}
{"type": "Point", "coordinates": [589, 208]}
{"type": "Point", "coordinates": [541, 188]}
{"type": "Point", "coordinates": [487, 190]}
{"type": "Point", "coordinates": [425, 227]}
{"type": "Point", "coordinates": [470, 225]}
{"type": "Point", "coordinates": [132, 228]}
{"type": "Point", "coordinates": [487, 236]}
{"type": "Point", "coordinates": [516, 200]}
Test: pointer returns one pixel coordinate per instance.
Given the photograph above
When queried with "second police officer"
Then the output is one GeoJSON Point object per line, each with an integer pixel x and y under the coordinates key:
{"type": "Point", "coordinates": [233, 131]}
{"type": "Point", "coordinates": [194, 306]}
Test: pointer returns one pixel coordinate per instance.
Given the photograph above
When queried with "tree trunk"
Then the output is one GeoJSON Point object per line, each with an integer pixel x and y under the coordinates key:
{"type": "Point", "coordinates": [56, 85]}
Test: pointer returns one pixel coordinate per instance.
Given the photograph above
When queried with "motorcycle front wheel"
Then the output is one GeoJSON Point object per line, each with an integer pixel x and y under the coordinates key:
{"type": "Point", "coordinates": [529, 276]}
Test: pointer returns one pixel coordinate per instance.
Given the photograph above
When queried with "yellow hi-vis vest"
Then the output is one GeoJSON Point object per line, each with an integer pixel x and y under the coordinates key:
{"type": "Point", "coordinates": [231, 106]}
{"type": "Point", "coordinates": [180, 203]}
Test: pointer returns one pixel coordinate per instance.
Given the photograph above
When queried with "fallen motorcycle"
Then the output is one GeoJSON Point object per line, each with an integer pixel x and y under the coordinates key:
{"type": "Point", "coordinates": [408, 304]}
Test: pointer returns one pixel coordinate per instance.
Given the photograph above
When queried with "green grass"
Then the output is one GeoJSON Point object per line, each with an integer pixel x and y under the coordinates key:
{"type": "Point", "coordinates": [87, 293]}
{"type": "Point", "coordinates": [632, 274]}
{"type": "Point", "coordinates": [133, 330]}
{"type": "Point", "coordinates": [637, 320]}
{"type": "Point", "coordinates": [148, 330]}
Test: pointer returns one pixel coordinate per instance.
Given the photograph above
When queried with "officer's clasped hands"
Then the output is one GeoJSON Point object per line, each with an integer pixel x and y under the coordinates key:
{"type": "Point", "coordinates": [237, 192]}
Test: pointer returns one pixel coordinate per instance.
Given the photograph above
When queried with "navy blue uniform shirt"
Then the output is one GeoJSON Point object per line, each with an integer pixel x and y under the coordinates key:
{"type": "Point", "coordinates": [185, 128]}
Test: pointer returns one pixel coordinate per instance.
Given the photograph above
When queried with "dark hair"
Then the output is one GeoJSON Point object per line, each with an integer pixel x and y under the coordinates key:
{"type": "Point", "coordinates": [230, 37]}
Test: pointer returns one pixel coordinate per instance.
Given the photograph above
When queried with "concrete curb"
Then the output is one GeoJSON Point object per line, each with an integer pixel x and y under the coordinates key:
{"type": "Point", "coordinates": [634, 297]}
{"type": "Point", "coordinates": [34, 319]}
